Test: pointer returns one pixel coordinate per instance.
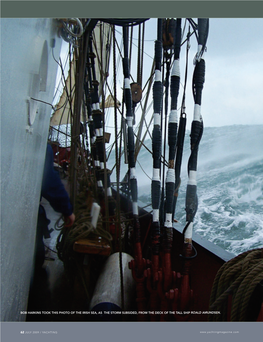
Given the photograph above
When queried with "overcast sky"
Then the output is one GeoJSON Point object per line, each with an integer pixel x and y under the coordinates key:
{"type": "Point", "coordinates": [233, 89]}
{"type": "Point", "coordinates": [233, 92]}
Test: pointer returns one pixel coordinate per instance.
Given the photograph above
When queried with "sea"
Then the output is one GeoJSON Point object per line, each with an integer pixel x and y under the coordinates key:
{"type": "Point", "coordinates": [229, 186]}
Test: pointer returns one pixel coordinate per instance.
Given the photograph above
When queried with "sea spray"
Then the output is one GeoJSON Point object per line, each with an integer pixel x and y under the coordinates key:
{"type": "Point", "coordinates": [230, 186]}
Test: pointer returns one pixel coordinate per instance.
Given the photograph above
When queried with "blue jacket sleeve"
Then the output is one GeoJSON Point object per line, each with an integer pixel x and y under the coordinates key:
{"type": "Point", "coordinates": [53, 189]}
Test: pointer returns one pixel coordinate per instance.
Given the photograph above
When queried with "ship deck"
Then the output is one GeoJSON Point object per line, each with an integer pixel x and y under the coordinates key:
{"type": "Point", "coordinates": [57, 295]}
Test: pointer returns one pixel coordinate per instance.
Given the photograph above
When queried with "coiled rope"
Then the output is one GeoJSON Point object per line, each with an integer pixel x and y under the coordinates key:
{"type": "Point", "coordinates": [81, 229]}
{"type": "Point", "coordinates": [239, 278]}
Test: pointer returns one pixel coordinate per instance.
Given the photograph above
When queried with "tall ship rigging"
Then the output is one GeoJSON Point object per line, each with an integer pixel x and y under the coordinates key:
{"type": "Point", "coordinates": [120, 257]}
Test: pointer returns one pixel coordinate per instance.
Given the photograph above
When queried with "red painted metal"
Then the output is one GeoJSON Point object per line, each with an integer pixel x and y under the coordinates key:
{"type": "Point", "coordinates": [164, 305]}
{"type": "Point", "coordinates": [140, 263]}
{"type": "Point", "coordinates": [167, 272]}
{"type": "Point", "coordinates": [260, 315]}
{"type": "Point", "coordinates": [155, 265]}
{"type": "Point", "coordinates": [151, 284]}
{"type": "Point", "coordinates": [140, 289]}
{"type": "Point", "coordinates": [186, 294]}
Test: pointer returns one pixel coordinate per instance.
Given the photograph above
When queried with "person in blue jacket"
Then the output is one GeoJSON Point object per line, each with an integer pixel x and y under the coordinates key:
{"type": "Point", "coordinates": [55, 193]}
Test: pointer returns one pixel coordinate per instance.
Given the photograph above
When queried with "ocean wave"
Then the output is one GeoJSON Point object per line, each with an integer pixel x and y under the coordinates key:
{"type": "Point", "coordinates": [229, 187]}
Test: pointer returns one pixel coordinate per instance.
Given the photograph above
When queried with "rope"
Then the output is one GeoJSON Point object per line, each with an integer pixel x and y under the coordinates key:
{"type": "Point", "coordinates": [81, 229]}
{"type": "Point", "coordinates": [117, 170]}
{"type": "Point", "coordinates": [239, 278]}
{"type": "Point", "coordinates": [143, 170]}
{"type": "Point", "coordinates": [73, 21]}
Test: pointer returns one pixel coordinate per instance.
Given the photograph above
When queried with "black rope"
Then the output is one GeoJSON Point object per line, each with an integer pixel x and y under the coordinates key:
{"type": "Point", "coordinates": [198, 81]}
{"type": "Point", "coordinates": [203, 28]}
{"type": "Point", "coordinates": [194, 26]}
{"type": "Point", "coordinates": [157, 141]}
{"type": "Point", "coordinates": [131, 148]}
{"type": "Point", "coordinates": [96, 114]}
{"type": "Point", "coordinates": [181, 133]}
{"type": "Point", "coordinates": [191, 201]}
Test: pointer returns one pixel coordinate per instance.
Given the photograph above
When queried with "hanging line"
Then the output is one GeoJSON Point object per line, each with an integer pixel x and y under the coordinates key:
{"type": "Point", "coordinates": [168, 38]}
{"type": "Point", "coordinates": [94, 120]}
{"type": "Point", "coordinates": [172, 137]}
{"type": "Point", "coordinates": [81, 55]}
{"type": "Point", "coordinates": [97, 114]}
{"type": "Point", "coordinates": [118, 216]}
{"type": "Point", "coordinates": [130, 147]}
{"type": "Point", "coordinates": [92, 137]}
{"type": "Point", "coordinates": [170, 176]}
{"type": "Point", "coordinates": [88, 87]}
{"type": "Point", "coordinates": [181, 133]}
{"type": "Point", "coordinates": [167, 63]}
{"type": "Point", "coordinates": [156, 147]}
{"type": "Point", "coordinates": [191, 202]}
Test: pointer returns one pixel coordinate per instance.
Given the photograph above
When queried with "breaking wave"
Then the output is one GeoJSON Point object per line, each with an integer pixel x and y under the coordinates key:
{"type": "Point", "coordinates": [229, 186]}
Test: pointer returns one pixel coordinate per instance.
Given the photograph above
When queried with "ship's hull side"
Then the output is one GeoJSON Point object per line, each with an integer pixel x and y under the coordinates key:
{"type": "Point", "coordinates": [28, 70]}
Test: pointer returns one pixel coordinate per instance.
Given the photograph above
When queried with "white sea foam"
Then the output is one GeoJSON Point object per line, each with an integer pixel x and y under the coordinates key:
{"type": "Point", "coordinates": [229, 187]}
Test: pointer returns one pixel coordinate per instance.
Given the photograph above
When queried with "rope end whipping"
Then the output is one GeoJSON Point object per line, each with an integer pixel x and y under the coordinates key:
{"type": "Point", "coordinates": [95, 211]}
{"type": "Point", "coordinates": [203, 28]}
